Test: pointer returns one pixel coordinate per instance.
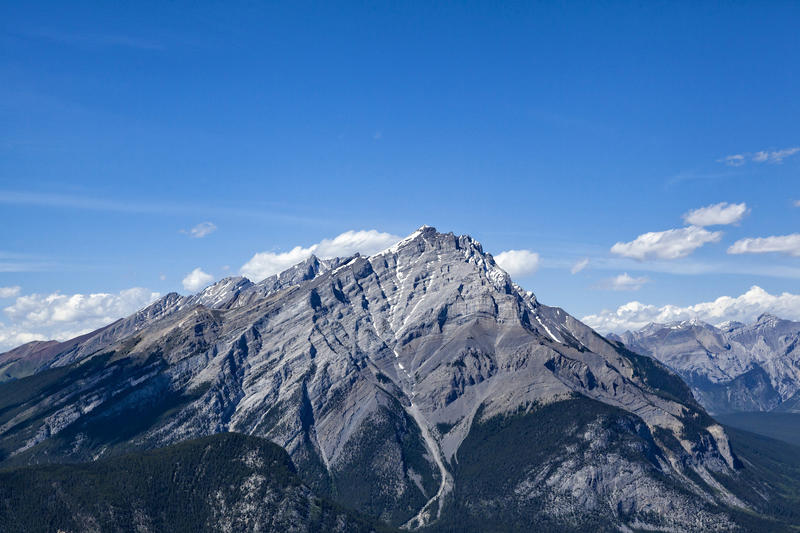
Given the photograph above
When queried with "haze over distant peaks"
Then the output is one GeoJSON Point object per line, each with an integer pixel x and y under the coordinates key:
{"type": "Point", "coordinates": [733, 367]}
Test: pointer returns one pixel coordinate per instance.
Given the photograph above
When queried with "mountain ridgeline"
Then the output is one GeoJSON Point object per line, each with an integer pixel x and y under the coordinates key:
{"type": "Point", "coordinates": [731, 368]}
{"type": "Point", "coordinates": [419, 386]}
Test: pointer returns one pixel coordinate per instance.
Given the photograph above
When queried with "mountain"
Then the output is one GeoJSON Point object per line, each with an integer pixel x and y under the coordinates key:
{"type": "Point", "coordinates": [419, 385]}
{"type": "Point", "coordinates": [226, 482]}
{"type": "Point", "coordinates": [734, 367]}
{"type": "Point", "coordinates": [33, 356]}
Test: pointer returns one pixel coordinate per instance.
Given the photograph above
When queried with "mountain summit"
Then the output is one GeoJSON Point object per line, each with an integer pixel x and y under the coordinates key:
{"type": "Point", "coordinates": [420, 385]}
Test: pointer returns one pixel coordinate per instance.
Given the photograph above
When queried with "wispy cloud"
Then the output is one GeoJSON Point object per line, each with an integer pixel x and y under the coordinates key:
{"type": "Point", "coordinates": [787, 244]}
{"type": "Point", "coordinates": [72, 201]}
{"type": "Point", "coordinates": [623, 282]}
{"type": "Point", "coordinates": [690, 267]}
{"type": "Point", "coordinates": [716, 215]}
{"type": "Point", "coordinates": [776, 156]}
{"type": "Point", "coordinates": [39, 199]}
{"type": "Point", "coordinates": [579, 265]}
{"type": "Point", "coordinates": [669, 244]}
{"type": "Point", "coordinates": [599, 261]}
{"type": "Point", "coordinates": [695, 175]}
{"type": "Point", "coordinates": [763, 156]}
{"type": "Point", "coordinates": [735, 160]}
{"type": "Point", "coordinates": [201, 230]}
{"type": "Point", "coordinates": [9, 292]}
{"type": "Point", "coordinates": [6, 266]}
{"type": "Point", "coordinates": [15, 262]}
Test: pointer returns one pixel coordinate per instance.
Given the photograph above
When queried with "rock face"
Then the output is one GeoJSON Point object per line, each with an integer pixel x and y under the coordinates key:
{"type": "Point", "coordinates": [226, 482]}
{"type": "Point", "coordinates": [735, 367]}
{"type": "Point", "coordinates": [382, 376]}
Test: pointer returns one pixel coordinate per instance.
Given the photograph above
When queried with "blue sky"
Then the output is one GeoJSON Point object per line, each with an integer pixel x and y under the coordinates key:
{"type": "Point", "coordinates": [556, 128]}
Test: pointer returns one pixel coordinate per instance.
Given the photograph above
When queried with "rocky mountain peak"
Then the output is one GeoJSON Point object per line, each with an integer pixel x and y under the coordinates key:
{"type": "Point", "coordinates": [374, 372]}
{"type": "Point", "coordinates": [730, 325]}
{"type": "Point", "coordinates": [767, 319]}
{"type": "Point", "coordinates": [430, 247]}
{"type": "Point", "coordinates": [220, 293]}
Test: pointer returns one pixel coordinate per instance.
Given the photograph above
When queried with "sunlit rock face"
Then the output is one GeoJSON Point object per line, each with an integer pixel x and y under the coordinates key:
{"type": "Point", "coordinates": [374, 373]}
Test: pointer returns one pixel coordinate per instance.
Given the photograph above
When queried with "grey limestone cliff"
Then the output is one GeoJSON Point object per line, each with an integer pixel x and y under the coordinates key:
{"type": "Point", "coordinates": [373, 373]}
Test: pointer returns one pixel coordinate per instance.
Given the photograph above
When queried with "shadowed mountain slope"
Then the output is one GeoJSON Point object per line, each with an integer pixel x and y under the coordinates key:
{"type": "Point", "coordinates": [226, 482]}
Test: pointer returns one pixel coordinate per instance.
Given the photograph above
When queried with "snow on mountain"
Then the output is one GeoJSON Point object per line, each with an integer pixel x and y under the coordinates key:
{"type": "Point", "coordinates": [377, 373]}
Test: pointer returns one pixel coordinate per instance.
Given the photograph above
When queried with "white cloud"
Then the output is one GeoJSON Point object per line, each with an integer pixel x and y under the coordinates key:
{"type": "Point", "coordinates": [735, 160]}
{"type": "Point", "coordinates": [669, 244]}
{"type": "Point", "coordinates": [797, 203]}
{"type": "Point", "coordinates": [201, 230]}
{"type": "Point", "coordinates": [744, 308]}
{"type": "Point", "coordinates": [62, 308]}
{"type": "Point", "coordinates": [788, 244]}
{"type": "Point", "coordinates": [265, 264]}
{"type": "Point", "coordinates": [11, 337]}
{"type": "Point", "coordinates": [764, 156]}
{"type": "Point", "coordinates": [580, 265]}
{"type": "Point", "coordinates": [776, 156]}
{"type": "Point", "coordinates": [716, 214]}
{"type": "Point", "coordinates": [196, 280]}
{"type": "Point", "coordinates": [518, 262]}
{"type": "Point", "coordinates": [63, 316]}
{"type": "Point", "coordinates": [9, 292]}
{"type": "Point", "coordinates": [624, 282]}
{"type": "Point", "coordinates": [365, 242]}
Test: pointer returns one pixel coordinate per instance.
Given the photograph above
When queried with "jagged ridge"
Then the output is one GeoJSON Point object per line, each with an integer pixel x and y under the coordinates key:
{"type": "Point", "coordinates": [372, 372]}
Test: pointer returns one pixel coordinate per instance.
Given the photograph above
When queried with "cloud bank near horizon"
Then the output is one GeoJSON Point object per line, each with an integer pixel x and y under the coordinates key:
{"type": "Point", "coordinates": [64, 316]}
{"type": "Point", "coordinates": [746, 308]}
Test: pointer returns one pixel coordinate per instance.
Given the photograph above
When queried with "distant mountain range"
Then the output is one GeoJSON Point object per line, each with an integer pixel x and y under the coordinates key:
{"type": "Point", "coordinates": [420, 386]}
{"type": "Point", "coordinates": [731, 368]}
